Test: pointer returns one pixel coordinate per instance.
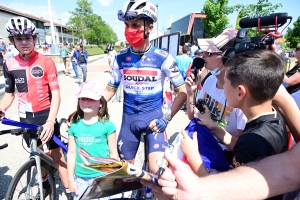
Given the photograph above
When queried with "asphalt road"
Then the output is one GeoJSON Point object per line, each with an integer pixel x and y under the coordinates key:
{"type": "Point", "coordinates": [14, 155]}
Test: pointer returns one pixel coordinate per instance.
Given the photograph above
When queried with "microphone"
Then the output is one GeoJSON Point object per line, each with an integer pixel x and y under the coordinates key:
{"type": "Point", "coordinates": [269, 20]}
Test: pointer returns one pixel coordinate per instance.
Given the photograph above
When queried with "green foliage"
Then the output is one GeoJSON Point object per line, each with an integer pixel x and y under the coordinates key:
{"type": "Point", "coordinates": [292, 36]}
{"type": "Point", "coordinates": [263, 7]}
{"type": "Point", "coordinates": [216, 16]}
{"type": "Point", "coordinates": [90, 26]}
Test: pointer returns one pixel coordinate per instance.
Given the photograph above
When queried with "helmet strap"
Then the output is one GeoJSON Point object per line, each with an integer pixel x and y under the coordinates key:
{"type": "Point", "coordinates": [145, 35]}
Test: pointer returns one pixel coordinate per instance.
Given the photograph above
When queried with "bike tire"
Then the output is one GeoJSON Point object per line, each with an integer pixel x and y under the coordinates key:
{"type": "Point", "coordinates": [23, 171]}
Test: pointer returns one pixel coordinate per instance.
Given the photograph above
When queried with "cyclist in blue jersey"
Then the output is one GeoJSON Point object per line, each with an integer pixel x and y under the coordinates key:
{"type": "Point", "coordinates": [142, 68]}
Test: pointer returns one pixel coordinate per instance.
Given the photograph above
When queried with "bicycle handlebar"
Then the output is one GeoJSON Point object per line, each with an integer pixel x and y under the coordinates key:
{"type": "Point", "coordinates": [34, 127]}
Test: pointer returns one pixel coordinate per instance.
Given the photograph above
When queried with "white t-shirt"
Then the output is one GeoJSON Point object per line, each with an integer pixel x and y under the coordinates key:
{"type": "Point", "coordinates": [232, 119]}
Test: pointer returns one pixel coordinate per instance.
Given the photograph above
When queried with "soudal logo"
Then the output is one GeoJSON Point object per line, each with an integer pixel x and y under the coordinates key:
{"type": "Point", "coordinates": [37, 71]}
{"type": "Point", "coordinates": [140, 75]}
{"type": "Point", "coordinates": [128, 58]}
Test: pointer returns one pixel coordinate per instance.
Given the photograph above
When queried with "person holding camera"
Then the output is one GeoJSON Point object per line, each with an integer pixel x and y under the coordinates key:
{"type": "Point", "coordinates": [232, 119]}
{"type": "Point", "coordinates": [292, 79]}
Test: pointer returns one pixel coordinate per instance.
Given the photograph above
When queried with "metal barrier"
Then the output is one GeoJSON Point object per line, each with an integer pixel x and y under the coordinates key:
{"type": "Point", "coordinates": [119, 94]}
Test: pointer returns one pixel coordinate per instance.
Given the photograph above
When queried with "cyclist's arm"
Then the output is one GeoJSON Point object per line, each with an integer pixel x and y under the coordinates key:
{"type": "Point", "coordinates": [55, 102]}
{"type": "Point", "coordinates": [114, 81]}
{"type": "Point", "coordinates": [169, 67]}
{"type": "Point", "coordinates": [9, 94]}
{"type": "Point", "coordinates": [288, 108]}
{"type": "Point", "coordinates": [178, 101]}
{"type": "Point", "coordinates": [112, 144]}
{"type": "Point", "coordinates": [7, 100]}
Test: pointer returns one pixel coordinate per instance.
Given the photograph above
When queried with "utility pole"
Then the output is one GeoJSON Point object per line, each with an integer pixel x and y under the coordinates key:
{"type": "Point", "coordinates": [54, 46]}
{"type": "Point", "coordinates": [61, 30]}
{"type": "Point", "coordinates": [157, 18]}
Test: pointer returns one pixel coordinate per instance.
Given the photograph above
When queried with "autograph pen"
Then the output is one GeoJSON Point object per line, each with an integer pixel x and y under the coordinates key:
{"type": "Point", "coordinates": [164, 163]}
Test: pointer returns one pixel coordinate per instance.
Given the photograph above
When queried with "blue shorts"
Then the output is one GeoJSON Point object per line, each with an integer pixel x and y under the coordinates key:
{"type": "Point", "coordinates": [130, 134]}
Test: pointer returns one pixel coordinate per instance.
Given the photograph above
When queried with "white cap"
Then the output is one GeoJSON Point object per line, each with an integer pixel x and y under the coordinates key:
{"type": "Point", "coordinates": [90, 89]}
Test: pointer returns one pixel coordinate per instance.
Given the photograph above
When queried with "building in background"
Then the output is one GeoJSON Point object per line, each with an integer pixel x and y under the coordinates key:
{"type": "Point", "coordinates": [43, 29]}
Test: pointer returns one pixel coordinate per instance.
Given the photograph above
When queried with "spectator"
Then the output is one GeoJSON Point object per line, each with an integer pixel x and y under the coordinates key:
{"type": "Point", "coordinates": [111, 55]}
{"type": "Point", "coordinates": [64, 55]}
{"type": "Point", "coordinates": [81, 58]}
{"type": "Point", "coordinates": [11, 51]}
{"type": "Point", "coordinates": [183, 61]}
{"type": "Point", "coordinates": [231, 119]}
{"type": "Point", "coordinates": [198, 53]}
{"type": "Point", "coordinates": [194, 48]}
{"type": "Point", "coordinates": [2, 53]}
{"type": "Point", "coordinates": [74, 65]}
{"type": "Point", "coordinates": [292, 78]}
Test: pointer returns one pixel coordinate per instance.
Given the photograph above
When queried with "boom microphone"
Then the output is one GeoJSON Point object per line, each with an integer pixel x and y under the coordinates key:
{"type": "Point", "coordinates": [269, 20]}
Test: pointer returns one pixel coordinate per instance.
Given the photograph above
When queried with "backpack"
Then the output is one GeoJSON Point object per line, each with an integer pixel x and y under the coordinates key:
{"type": "Point", "coordinates": [63, 53]}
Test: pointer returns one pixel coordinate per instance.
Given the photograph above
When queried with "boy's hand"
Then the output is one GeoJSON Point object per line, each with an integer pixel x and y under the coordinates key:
{"type": "Point", "coordinates": [73, 187]}
{"type": "Point", "coordinates": [206, 119]}
{"type": "Point", "coordinates": [47, 132]}
{"type": "Point", "coordinates": [189, 146]}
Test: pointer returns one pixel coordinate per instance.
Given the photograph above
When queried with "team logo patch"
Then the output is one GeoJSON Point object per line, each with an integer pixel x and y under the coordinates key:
{"type": "Point", "coordinates": [155, 146]}
{"type": "Point", "coordinates": [37, 72]}
{"type": "Point", "coordinates": [128, 58]}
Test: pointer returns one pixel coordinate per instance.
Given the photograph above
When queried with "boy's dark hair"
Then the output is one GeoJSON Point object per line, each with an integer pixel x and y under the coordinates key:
{"type": "Point", "coordinates": [102, 113]}
{"type": "Point", "coordinates": [185, 49]}
{"type": "Point", "coordinates": [262, 71]}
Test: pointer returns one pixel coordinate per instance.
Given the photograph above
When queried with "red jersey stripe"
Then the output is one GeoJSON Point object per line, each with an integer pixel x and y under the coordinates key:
{"type": "Point", "coordinates": [140, 72]}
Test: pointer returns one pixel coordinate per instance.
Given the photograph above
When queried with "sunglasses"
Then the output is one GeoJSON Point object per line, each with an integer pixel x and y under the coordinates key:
{"type": "Point", "coordinates": [128, 16]}
{"type": "Point", "coordinates": [209, 54]}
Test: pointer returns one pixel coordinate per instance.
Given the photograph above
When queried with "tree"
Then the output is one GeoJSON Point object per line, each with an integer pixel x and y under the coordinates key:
{"type": "Point", "coordinates": [262, 8]}
{"type": "Point", "coordinates": [292, 36]}
{"type": "Point", "coordinates": [216, 20]}
{"type": "Point", "coordinates": [89, 26]}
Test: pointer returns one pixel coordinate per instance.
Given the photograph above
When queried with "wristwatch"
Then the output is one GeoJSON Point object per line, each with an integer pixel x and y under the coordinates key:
{"type": "Point", "coordinates": [49, 120]}
{"type": "Point", "coordinates": [168, 116]}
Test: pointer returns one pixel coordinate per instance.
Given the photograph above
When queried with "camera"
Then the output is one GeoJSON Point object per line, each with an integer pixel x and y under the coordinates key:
{"type": "Point", "coordinates": [268, 25]}
{"type": "Point", "coordinates": [199, 105]}
{"type": "Point", "coordinates": [243, 43]}
{"type": "Point", "coordinates": [197, 65]}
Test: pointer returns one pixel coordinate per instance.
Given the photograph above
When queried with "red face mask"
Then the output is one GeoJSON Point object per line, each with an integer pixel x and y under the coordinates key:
{"type": "Point", "coordinates": [134, 37]}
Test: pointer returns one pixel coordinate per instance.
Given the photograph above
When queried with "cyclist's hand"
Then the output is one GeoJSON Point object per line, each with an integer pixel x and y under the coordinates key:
{"type": "Point", "coordinates": [189, 146]}
{"type": "Point", "coordinates": [190, 84]}
{"type": "Point", "coordinates": [73, 187]}
{"type": "Point", "coordinates": [175, 182]}
{"type": "Point", "coordinates": [159, 125]}
{"type": "Point", "coordinates": [47, 132]}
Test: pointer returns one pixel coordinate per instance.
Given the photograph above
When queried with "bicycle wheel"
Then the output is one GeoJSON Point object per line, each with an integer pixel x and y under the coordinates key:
{"type": "Point", "coordinates": [20, 188]}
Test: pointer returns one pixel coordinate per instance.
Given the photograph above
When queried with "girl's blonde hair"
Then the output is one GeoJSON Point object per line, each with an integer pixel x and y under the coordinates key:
{"type": "Point", "coordinates": [102, 113]}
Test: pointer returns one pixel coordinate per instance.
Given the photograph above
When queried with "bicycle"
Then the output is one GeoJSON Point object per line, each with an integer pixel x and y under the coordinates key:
{"type": "Point", "coordinates": [30, 172]}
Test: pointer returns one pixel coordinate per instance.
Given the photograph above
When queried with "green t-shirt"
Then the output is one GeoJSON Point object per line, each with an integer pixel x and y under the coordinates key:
{"type": "Point", "coordinates": [93, 139]}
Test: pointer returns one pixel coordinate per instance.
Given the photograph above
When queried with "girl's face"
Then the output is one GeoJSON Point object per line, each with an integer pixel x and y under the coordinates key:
{"type": "Point", "coordinates": [89, 106]}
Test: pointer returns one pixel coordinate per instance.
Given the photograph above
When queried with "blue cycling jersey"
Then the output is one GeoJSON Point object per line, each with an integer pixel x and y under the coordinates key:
{"type": "Point", "coordinates": [143, 78]}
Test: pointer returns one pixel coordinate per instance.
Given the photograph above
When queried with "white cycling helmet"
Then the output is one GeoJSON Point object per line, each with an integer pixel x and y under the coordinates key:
{"type": "Point", "coordinates": [135, 9]}
{"type": "Point", "coordinates": [20, 27]}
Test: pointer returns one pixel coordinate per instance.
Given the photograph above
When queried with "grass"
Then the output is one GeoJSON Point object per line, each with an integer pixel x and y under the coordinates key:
{"type": "Point", "coordinates": [94, 51]}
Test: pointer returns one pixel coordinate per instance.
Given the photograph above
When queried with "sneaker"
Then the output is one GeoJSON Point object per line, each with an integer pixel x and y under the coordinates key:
{"type": "Point", "coordinates": [46, 192]}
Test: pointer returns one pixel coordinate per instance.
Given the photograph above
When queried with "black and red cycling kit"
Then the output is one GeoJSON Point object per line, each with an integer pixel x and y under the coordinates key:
{"type": "Point", "coordinates": [34, 80]}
